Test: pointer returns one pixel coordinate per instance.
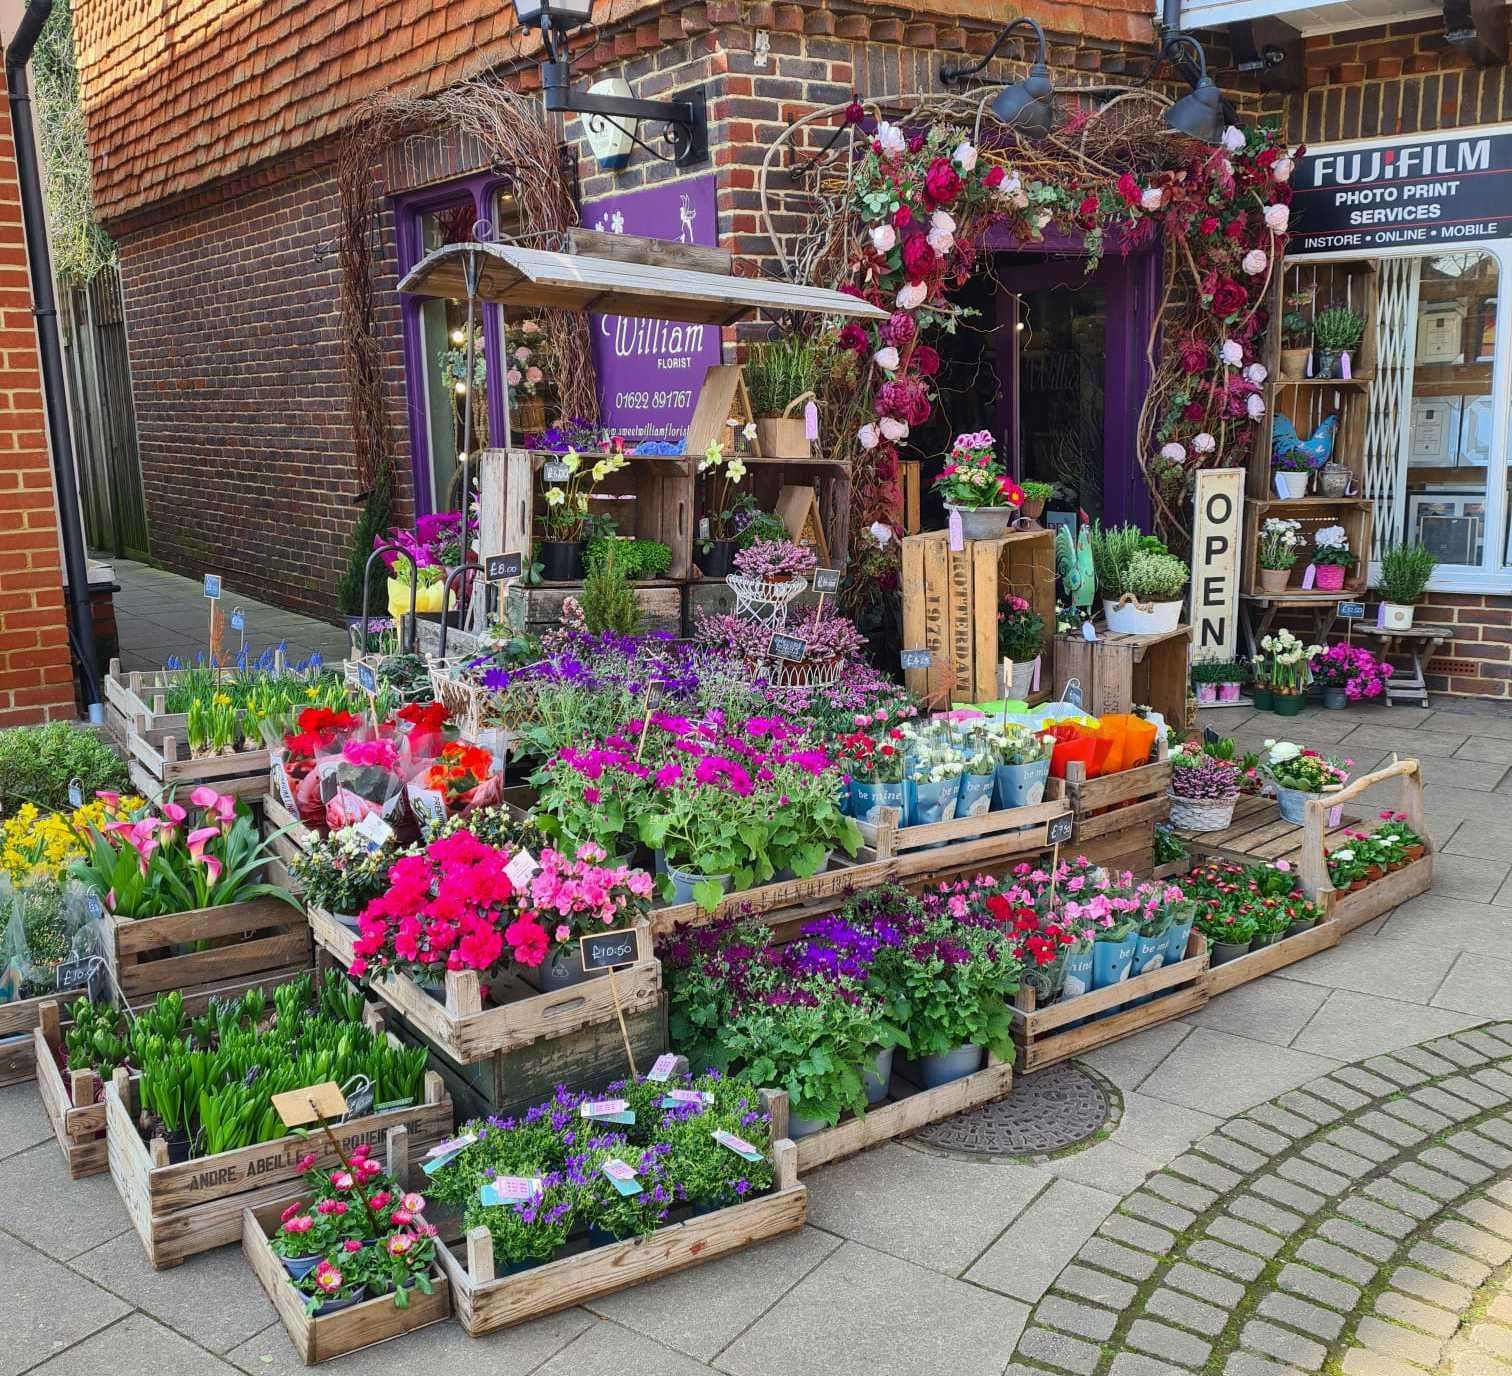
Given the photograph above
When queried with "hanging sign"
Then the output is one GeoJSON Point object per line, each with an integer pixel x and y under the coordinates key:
{"type": "Point", "coordinates": [1400, 191]}
{"type": "Point", "coordinates": [1215, 562]}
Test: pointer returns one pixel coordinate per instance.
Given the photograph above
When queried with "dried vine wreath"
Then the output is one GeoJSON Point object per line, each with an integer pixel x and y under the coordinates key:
{"type": "Point", "coordinates": [509, 133]}
{"type": "Point", "coordinates": [899, 213]}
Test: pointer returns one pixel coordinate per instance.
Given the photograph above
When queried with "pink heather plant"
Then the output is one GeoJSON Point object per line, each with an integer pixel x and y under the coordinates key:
{"type": "Point", "coordinates": [769, 560]}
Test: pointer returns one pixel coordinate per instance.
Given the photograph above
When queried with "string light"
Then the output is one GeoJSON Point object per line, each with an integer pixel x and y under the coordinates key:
{"type": "Point", "coordinates": [457, 337]}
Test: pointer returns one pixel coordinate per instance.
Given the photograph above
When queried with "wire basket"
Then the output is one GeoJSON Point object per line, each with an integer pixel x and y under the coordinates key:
{"type": "Point", "coordinates": [800, 673]}
{"type": "Point", "coordinates": [762, 601]}
{"type": "Point", "coordinates": [1202, 814]}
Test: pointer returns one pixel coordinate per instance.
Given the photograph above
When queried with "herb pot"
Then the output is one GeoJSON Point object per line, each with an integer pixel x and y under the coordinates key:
{"type": "Point", "coordinates": [1033, 508]}
{"type": "Point", "coordinates": [1020, 785]}
{"type": "Point", "coordinates": [1396, 616]}
{"type": "Point", "coordinates": [1225, 951]}
{"type": "Point", "coordinates": [1229, 692]}
{"type": "Point", "coordinates": [1293, 803]}
{"type": "Point", "coordinates": [976, 795]}
{"type": "Point", "coordinates": [684, 882]}
{"type": "Point", "coordinates": [560, 970]}
{"type": "Point", "coordinates": [1177, 935]}
{"type": "Point", "coordinates": [1263, 698]}
{"type": "Point", "coordinates": [1207, 694]}
{"type": "Point", "coordinates": [1202, 814]}
{"type": "Point", "coordinates": [1294, 363]}
{"type": "Point", "coordinates": [1128, 616]}
{"type": "Point", "coordinates": [299, 1267]}
{"type": "Point", "coordinates": [1287, 704]}
{"type": "Point", "coordinates": [935, 1071]}
{"type": "Point", "coordinates": [1330, 363]}
{"type": "Point", "coordinates": [718, 559]}
{"type": "Point", "coordinates": [1330, 578]}
{"type": "Point", "coordinates": [1274, 580]}
{"type": "Point", "coordinates": [1111, 961]}
{"type": "Point", "coordinates": [782, 437]}
{"type": "Point", "coordinates": [562, 561]}
{"type": "Point", "coordinates": [877, 1077]}
{"type": "Point", "coordinates": [1302, 924]}
{"type": "Point", "coordinates": [332, 1306]}
{"type": "Point", "coordinates": [981, 522]}
{"type": "Point", "coordinates": [799, 1126]}
{"type": "Point", "coordinates": [1292, 486]}
{"type": "Point", "coordinates": [868, 799]}
{"type": "Point", "coordinates": [1149, 953]}
{"type": "Point", "coordinates": [925, 803]}
{"type": "Point", "coordinates": [1334, 698]}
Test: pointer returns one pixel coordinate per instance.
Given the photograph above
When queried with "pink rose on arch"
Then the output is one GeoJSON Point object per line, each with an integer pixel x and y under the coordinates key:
{"type": "Point", "coordinates": [942, 183]}
{"type": "Point", "coordinates": [1194, 357]}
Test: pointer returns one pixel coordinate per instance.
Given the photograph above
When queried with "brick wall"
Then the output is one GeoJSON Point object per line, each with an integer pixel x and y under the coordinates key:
{"type": "Point", "coordinates": [36, 678]}
{"type": "Point", "coordinates": [241, 393]}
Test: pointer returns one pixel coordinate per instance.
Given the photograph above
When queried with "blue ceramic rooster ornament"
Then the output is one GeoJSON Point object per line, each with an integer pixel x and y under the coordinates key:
{"type": "Point", "coordinates": [1073, 562]}
{"type": "Point", "coordinates": [1317, 450]}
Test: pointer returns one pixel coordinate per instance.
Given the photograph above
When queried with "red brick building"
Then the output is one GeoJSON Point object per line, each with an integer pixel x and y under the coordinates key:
{"type": "Point", "coordinates": [36, 680]}
{"type": "Point", "coordinates": [214, 131]}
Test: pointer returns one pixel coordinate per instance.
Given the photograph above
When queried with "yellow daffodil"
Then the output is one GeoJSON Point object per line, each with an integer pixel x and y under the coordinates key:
{"type": "Point", "coordinates": [222, 699]}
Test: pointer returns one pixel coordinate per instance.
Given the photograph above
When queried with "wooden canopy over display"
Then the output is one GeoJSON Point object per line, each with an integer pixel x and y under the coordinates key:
{"type": "Point", "coordinates": [514, 276]}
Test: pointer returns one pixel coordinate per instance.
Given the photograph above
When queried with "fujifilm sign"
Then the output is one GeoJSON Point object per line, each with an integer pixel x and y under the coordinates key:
{"type": "Point", "coordinates": [1450, 188]}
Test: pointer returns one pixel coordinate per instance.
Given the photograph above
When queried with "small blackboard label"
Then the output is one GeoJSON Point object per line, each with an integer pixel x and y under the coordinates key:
{"type": "Point", "coordinates": [826, 580]}
{"type": "Point", "coordinates": [555, 471]}
{"type": "Point", "coordinates": [1210, 736]}
{"type": "Point", "coordinates": [73, 976]}
{"type": "Point", "coordinates": [498, 567]}
{"type": "Point", "coordinates": [1352, 611]}
{"type": "Point", "coordinates": [238, 620]}
{"type": "Point", "coordinates": [75, 793]}
{"type": "Point", "coordinates": [212, 586]}
{"type": "Point", "coordinates": [787, 647]}
{"type": "Point", "coordinates": [1060, 830]}
{"type": "Point", "coordinates": [917, 659]}
{"type": "Point", "coordinates": [605, 950]}
{"type": "Point", "coordinates": [367, 680]}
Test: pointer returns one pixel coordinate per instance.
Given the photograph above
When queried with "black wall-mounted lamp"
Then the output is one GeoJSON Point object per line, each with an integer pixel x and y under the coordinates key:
{"type": "Point", "coordinates": [685, 122]}
{"type": "Point", "coordinates": [1026, 106]}
{"type": "Point", "coordinates": [1199, 114]}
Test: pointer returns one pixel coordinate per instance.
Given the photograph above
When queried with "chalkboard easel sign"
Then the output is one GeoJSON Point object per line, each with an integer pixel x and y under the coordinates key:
{"type": "Point", "coordinates": [607, 951]}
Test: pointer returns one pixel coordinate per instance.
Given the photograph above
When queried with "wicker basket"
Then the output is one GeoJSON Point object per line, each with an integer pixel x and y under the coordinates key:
{"type": "Point", "coordinates": [1202, 814]}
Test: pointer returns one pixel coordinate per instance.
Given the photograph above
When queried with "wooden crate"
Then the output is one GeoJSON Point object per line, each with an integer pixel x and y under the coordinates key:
{"type": "Point", "coordinates": [842, 877]}
{"type": "Point", "coordinates": [985, 843]}
{"type": "Point", "coordinates": [296, 839]}
{"type": "Point", "coordinates": [1312, 513]}
{"type": "Point", "coordinates": [1046, 1036]}
{"type": "Point", "coordinates": [907, 1108]}
{"type": "Point", "coordinates": [1116, 671]}
{"type": "Point", "coordinates": [18, 1020]}
{"type": "Point", "coordinates": [460, 1025]}
{"type": "Point", "coordinates": [160, 768]}
{"type": "Point", "coordinates": [950, 604]}
{"type": "Point", "coordinates": [1112, 803]}
{"type": "Point", "coordinates": [486, 1303]}
{"type": "Point", "coordinates": [74, 1106]}
{"type": "Point", "coordinates": [318, 1338]}
{"type": "Point", "coordinates": [261, 941]}
{"type": "Point", "coordinates": [1321, 936]}
{"type": "Point", "coordinates": [1355, 907]}
{"type": "Point", "coordinates": [539, 609]}
{"type": "Point", "coordinates": [180, 1210]}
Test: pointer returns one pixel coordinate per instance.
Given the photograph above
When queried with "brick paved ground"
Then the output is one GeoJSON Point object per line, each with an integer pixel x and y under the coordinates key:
{"type": "Point", "coordinates": [1311, 1173]}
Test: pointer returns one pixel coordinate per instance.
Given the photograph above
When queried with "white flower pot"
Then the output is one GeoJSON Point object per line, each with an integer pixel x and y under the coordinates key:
{"type": "Point", "coordinates": [1396, 617]}
{"type": "Point", "coordinates": [1292, 485]}
{"type": "Point", "coordinates": [1149, 618]}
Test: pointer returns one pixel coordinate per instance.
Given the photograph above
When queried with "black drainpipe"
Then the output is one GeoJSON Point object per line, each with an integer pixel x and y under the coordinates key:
{"type": "Point", "coordinates": [80, 617]}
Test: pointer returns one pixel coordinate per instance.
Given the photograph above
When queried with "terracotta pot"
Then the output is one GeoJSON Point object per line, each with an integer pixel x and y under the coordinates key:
{"type": "Point", "coordinates": [1274, 580]}
{"type": "Point", "coordinates": [1294, 362]}
{"type": "Point", "coordinates": [1414, 852]}
{"type": "Point", "coordinates": [1358, 884]}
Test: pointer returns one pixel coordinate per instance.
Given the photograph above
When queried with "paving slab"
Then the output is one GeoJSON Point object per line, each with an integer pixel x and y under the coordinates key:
{"type": "Point", "coordinates": [1199, 1073]}
{"type": "Point", "coordinates": [1478, 984]}
{"type": "Point", "coordinates": [1351, 1026]}
{"type": "Point", "coordinates": [48, 1307]}
{"type": "Point", "coordinates": [1272, 1010]}
{"type": "Point", "coordinates": [23, 1122]}
{"type": "Point", "coordinates": [59, 1216]}
{"type": "Point", "coordinates": [136, 1346]}
{"type": "Point", "coordinates": [1039, 1243]}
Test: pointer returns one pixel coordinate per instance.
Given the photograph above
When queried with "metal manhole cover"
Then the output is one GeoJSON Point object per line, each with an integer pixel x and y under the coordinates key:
{"type": "Point", "coordinates": [1046, 1112]}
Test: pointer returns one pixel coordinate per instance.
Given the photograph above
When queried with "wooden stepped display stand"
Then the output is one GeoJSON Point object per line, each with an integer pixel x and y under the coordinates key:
{"type": "Point", "coordinates": [1306, 402]}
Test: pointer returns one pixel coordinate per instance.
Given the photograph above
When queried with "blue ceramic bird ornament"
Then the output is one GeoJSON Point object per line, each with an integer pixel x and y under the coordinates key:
{"type": "Point", "coordinates": [1317, 449]}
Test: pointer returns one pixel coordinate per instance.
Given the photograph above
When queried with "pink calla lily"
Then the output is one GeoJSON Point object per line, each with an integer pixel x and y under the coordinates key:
{"type": "Point", "coordinates": [204, 796]}
{"type": "Point", "coordinates": [213, 868]}
{"type": "Point", "coordinates": [174, 813]}
{"type": "Point", "coordinates": [199, 838]}
{"type": "Point", "coordinates": [107, 797]}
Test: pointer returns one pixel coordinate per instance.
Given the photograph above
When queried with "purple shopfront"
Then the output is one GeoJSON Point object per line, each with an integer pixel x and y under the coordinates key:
{"type": "Point", "coordinates": [1073, 363]}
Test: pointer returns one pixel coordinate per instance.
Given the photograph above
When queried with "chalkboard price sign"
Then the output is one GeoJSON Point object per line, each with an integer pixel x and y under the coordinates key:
{"type": "Point", "coordinates": [367, 680]}
{"type": "Point", "coordinates": [498, 567]}
{"type": "Point", "coordinates": [1351, 611]}
{"type": "Point", "coordinates": [787, 647]}
{"type": "Point", "coordinates": [1060, 830]}
{"type": "Point", "coordinates": [917, 659]}
{"type": "Point", "coordinates": [605, 950]}
{"type": "Point", "coordinates": [827, 580]}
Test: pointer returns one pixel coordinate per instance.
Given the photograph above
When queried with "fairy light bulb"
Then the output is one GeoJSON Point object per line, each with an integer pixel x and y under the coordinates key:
{"type": "Point", "coordinates": [461, 389]}
{"type": "Point", "coordinates": [457, 336]}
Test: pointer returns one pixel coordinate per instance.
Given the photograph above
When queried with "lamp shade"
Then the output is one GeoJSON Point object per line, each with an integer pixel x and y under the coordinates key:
{"type": "Point", "coordinates": [570, 12]}
{"type": "Point", "coordinates": [1199, 113]}
{"type": "Point", "coordinates": [1026, 106]}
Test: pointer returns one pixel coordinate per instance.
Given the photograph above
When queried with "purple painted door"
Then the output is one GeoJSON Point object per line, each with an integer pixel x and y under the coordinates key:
{"type": "Point", "coordinates": [1071, 353]}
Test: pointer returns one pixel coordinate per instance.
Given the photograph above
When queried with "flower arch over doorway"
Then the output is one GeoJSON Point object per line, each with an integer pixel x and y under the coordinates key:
{"type": "Point", "coordinates": [904, 206]}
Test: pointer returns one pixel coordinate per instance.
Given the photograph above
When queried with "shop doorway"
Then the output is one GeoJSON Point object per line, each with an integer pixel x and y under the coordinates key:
{"type": "Point", "coordinates": [1071, 356]}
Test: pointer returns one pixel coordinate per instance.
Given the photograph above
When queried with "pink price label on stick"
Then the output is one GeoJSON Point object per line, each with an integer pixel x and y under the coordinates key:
{"type": "Point", "coordinates": [516, 1186]}
{"type": "Point", "coordinates": [737, 1144]}
{"type": "Point", "coordinates": [594, 1107]}
{"type": "Point", "coordinates": [663, 1068]}
{"type": "Point", "coordinates": [690, 1096]}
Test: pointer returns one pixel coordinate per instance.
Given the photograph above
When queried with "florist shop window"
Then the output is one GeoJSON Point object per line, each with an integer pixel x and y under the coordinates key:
{"type": "Point", "coordinates": [435, 345]}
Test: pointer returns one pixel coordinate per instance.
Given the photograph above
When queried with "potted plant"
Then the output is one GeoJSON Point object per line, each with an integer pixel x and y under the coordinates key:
{"type": "Point", "coordinates": [1023, 765]}
{"type": "Point", "coordinates": [527, 382]}
{"type": "Point", "coordinates": [722, 473]}
{"type": "Point", "coordinates": [1210, 676]}
{"type": "Point", "coordinates": [640, 560]}
{"type": "Point", "coordinates": [1277, 552]}
{"type": "Point", "coordinates": [1405, 571]}
{"type": "Point", "coordinates": [577, 897]}
{"type": "Point", "coordinates": [1152, 596]}
{"type": "Point", "coordinates": [1332, 557]}
{"type": "Point", "coordinates": [874, 765]}
{"type": "Point", "coordinates": [1232, 673]}
{"type": "Point", "coordinates": [1296, 335]}
{"type": "Point", "coordinates": [774, 561]}
{"type": "Point", "coordinates": [1021, 639]}
{"type": "Point", "coordinates": [1203, 790]}
{"type": "Point", "coordinates": [1036, 494]}
{"type": "Point", "coordinates": [565, 522]}
{"type": "Point", "coordinates": [343, 873]}
{"type": "Point", "coordinates": [976, 489]}
{"type": "Point", "coordinates": [1283, 669]}
{"type": "Point", "coordinates": [1335, 332]}
{"type": "Point", "coordinates": [1347, 673]}
{"type": "Point", "coordinates": [1292, 470]}
{"type": "Point", "coordinates": [1299, 776]}
{"type": "Point", "coordinates": [932, 772]}
{"type": "Point", "coordinates": [780, 374]}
